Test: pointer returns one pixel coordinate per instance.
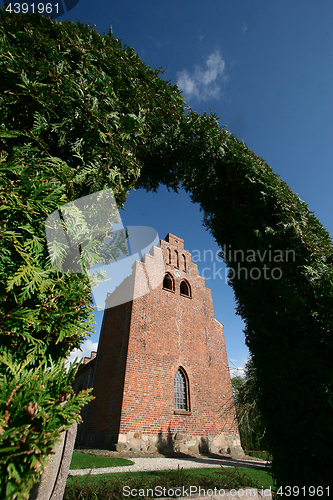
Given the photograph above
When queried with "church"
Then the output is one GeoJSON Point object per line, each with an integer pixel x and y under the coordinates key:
{"type": "Point", "coordinates": [160, 376]}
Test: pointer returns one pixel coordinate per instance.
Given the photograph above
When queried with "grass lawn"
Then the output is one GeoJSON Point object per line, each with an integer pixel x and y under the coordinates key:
{"type": "Point", "coordinates": [110, 486]}
{"type": "Point", "coordinates": [87, 461]}
{"type": "Point", "coordinates": [260, 475]}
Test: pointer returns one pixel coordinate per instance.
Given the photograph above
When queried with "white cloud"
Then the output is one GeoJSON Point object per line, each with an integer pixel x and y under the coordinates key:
{"type": "Point", "coordinates": [236, 368]}
{"type": "Point", "coordinates": [85, 350]}
{"type": "Point", "coordinates": [204, 83]}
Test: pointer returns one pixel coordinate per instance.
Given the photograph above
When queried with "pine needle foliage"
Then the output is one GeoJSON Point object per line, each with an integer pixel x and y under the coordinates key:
{"type": "Point", "coordinates": [76, 112]}
{"type": "Point", "coordinates": [43, 315]}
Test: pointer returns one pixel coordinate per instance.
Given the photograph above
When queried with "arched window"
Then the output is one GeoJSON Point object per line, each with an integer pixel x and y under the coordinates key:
{"type": "Point", "coordinates": [169, 255]}
{"type": "Point", "coordinates": [177, 259]}
{"type": "Point", "coordinates": [184, 262]}
{"type": "Point", "coordinates": [181, 391]}
{"type": "Point", "coordinates": [185, 289]}
{"type": "Point", "coordinates": [168, 282]}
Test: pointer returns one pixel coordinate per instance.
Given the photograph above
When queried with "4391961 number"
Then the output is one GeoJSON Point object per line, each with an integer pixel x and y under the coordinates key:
{"type": "Point", "coordinates": [36, 7]}
{"type": "Point", "coordinates": [311, 491]}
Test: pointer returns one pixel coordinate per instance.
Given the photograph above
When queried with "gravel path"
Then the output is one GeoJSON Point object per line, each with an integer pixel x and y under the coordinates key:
{"type": "Point", "coordinates": [163, 463]}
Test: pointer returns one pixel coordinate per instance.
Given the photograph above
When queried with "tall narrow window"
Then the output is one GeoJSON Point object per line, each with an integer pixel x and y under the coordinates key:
{"type": "Point", "coordinates": [169, 256]}
{"type": "Point", "coordinates": [181, 391]}
{"type": "Point", "coordinates": [177, 259]}
{"type": "Point", "coordinates": [184, 262]}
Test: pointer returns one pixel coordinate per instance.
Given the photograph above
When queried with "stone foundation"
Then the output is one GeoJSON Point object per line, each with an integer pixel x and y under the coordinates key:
{"type": "Point", "coordinates": [226, 444]}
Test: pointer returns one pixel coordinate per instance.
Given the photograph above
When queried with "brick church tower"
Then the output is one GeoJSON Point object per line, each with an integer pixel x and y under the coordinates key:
{"type": "Point", "coordinates": [161, 375]}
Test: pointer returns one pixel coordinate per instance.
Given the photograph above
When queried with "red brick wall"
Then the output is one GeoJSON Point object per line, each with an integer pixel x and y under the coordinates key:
{"type": "Point", "coordinates": [169, 330]}
{"type": "Point", "coordinates": [105, 410]}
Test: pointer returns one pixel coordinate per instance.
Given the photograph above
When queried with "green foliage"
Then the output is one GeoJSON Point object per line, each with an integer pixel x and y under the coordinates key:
{"type": "Point", "coordinates": [263, 455]}
{"type": "Point", "coordinates": [245, 391]}
{"type": "Point", "coordinates": [84, 98]}
{"type": "Point", "coordinates": [289, 316]}
{"type": "Point", "coordinates": [76, 112]}
{"type": "Point", "coordinates": [43, 315]}
{"type": "Point", "coordinates": [36, 405]}
{"type": "Point", "coordinates": [42, 312]}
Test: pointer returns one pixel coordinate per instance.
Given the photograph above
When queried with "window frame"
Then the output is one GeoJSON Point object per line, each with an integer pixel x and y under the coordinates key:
{"type": "Point", "coordinates": [189, 295]}
{"type": "Point", "coordinates": [187, 410]}
{"type": "Point", "coordinates": [184, 264]}
{"type": "Point", "coordinates": [177, 259]}
{"type": "Point", "coordinates": [172, 280]}
{"type": "Point", "coordinates": [169, 255]}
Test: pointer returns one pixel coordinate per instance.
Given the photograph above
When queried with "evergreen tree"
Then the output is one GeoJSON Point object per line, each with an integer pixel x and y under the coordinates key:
{"type": "Point", "coordinates": [76, 112]}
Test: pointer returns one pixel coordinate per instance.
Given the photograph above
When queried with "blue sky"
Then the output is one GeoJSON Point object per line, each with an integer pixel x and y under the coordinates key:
{"type": "Point", "coordinates": [265, 68]}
